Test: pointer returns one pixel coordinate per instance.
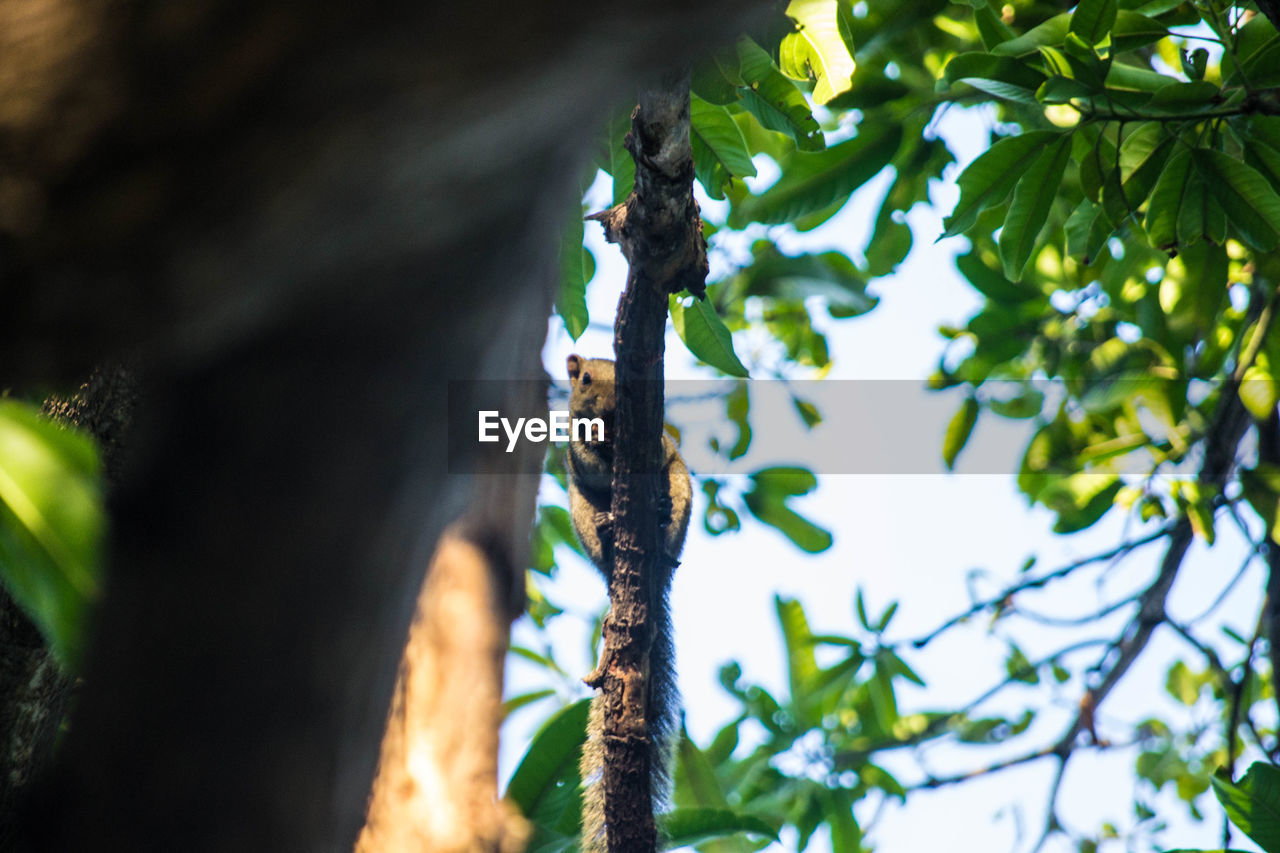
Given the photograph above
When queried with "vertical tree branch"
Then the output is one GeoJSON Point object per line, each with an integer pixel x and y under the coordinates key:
{"type": "Point", "coordinates": [1269, 453]}
{"type": "Point", "coordinates": [660, 233]}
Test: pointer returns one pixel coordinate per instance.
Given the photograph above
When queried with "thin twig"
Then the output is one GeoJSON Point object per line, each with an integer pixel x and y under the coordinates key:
{"type": "Point", "coordinates": [936, 726]}
{"type": "Point", "coordinates": [1035, 583]}
{"type": "Point", "coordinates": [1075, 621]}
{"type": "Point", "coordinates": [995, 767]}
{"type": "Point", "coordinates": [1051, 818]}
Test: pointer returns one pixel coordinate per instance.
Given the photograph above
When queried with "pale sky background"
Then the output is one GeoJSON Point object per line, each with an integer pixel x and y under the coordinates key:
{"type": "Point", "coordinates": [911, 539]}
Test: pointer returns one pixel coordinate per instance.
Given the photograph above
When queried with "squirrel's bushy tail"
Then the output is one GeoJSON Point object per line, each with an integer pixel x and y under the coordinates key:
{"type": "Point", "coordinates": [661, 713]}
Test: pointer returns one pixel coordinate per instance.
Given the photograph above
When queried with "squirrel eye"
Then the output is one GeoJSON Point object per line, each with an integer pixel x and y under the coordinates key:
{"type": "Point", "coordinates": [586, 379]}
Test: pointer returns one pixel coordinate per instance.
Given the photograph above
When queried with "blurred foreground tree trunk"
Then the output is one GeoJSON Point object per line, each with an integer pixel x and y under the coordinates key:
{"type": "Point", "coordinates": [299, 221]}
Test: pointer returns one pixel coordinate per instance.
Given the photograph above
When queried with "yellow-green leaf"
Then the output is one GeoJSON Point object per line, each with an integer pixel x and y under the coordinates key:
{"type": "Point", "coordinates": [959, 430]}
{"type": "Point", "coordinates": [816, 48]}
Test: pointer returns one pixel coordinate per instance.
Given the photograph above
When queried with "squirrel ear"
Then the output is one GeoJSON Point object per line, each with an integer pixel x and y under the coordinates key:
{"type": "Point", "coordinates": [574, 363]}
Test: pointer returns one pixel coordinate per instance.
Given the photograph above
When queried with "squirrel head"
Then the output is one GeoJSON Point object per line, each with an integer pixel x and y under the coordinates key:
{"type": "Point", "coordinates": [591, 387]}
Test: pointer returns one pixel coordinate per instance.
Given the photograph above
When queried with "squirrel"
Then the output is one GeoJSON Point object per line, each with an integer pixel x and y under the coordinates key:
{"type": "Point", "coordinates": [590, 467]}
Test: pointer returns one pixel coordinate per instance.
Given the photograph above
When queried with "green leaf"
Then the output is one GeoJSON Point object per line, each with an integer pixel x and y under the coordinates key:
{"type": "Point", "coordinates": [1261, 488]}
{"type": "Point", "coordinates": [1263, 67]}
{"type": "Point", "coordinates": [774, 100]}
{"type": "Point", "coordinates": [1130, 31]}
{"type": "Point", "coordinates": [1179, 98]}
{"type": "Point", "coordinates": [716, 79]}
{"type": "Point", "coordinates": [889, 245]}
{"type": "Point", "coordinates": [802, 663]}
{"type": "Point", "coordinates": [1062, 90]}
{"type": "Point", "coordinates": [1259, 391]}
{"type": "Point", "coordinates": [621, 166]}
{"type": "Point", "coordinates": [1088, 228]}
{"type": "Point", "coordinates": [1266, 159]}
{"type": "Point", "coordinates": [1051, 32]}
{"type": "Point", "coordinates": [515, 703]}
{"type": "Point", "coordinates": [1182, 684]}
{"type": "Point", "coordinates": [695, 769]}
{"type": "Point", "coordinates": [737, 407]}
{"type": "Point", "coordinates": [1029, 210]}
{"type": "Point", "coordinates": [817, 49]}
{"type": "Point", "coordinates": [1093, 19]}
{"type": "Point", "coordinates": [829, 275]}
{"type": "Point", "coordinates": [719, 150]}
{"type": "Point", "coordinates": [1143, 154]}
{"type": "Point", "coordinates": [1000, 76]}
{"type": "Point", "coordinates": [1251, 204]}
{"type": "Point", "coordinates": [688, 827]}
{"type": "Point", "coordinates": [1253, 803]}
{"type": "Point", "coordinates": [991, 176]}
{"type": "Point", "coordinates": [1194, 63]}
{"type": "Point", "coordinates": [706, 335]}
{"type": "Point", "coordinates": [1019, 668]}
{"type": "Point", "coordinates": [1133, 30]}
{"type": "Point", "coordinates": [811, 182]}
{"type": "Point", "coordinates": [959, 430]}
{"type": "Point", "coordinates": [51, 524]}
{"type": "Point", "coordinates": [577, 266]}
{"type": "Point", "coordinates": [1165, 205]}
{"type": "Point", "coordinates": [1026, 403]}
{"type": "Point", "coordinates": [1129, 78]}
{"type": "Point", "coordinates": [1080, 499]}
{"type": "Point", "coordinates": [551, 759]}
{"type": "Point", "coordinates": [870, 89]}
{"type": "Point", "coordinates": [991, 29]}
{"type": "Point", "coordinates": [991, 283]}
{"type": "Point", "coordinates": [837, 809]}
{"type": "Point", "coordinates": [767, 502]}
{"type": "Point", "coordinates": [1201, 215]}
{"type": "Point", "coordinates": [860, 607]}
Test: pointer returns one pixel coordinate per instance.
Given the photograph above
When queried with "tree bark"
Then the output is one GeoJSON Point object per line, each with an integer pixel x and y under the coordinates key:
{"type": "Point", "coordinates": [660, 233]}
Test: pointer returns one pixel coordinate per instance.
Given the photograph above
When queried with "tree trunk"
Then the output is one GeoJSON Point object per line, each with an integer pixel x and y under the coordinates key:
{"type": "Point", "coordinates": [301, 220]}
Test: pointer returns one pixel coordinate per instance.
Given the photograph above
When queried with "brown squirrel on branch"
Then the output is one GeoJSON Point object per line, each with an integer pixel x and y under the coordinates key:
{"type": "Point", "coordinates": [590, 466]}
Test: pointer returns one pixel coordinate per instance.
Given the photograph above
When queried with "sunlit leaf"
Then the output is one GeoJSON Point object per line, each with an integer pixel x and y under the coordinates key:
{"type": "Point", "coordinates": [816, 48]}
{"type": "Point", "coordinates": [51, 524]}
{"type": "Point", "coordinates": [774, 100]}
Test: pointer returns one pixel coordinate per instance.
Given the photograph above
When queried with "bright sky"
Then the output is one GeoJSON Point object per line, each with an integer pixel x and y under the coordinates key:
{"type": "Point", "coordinates": [915, 540]}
